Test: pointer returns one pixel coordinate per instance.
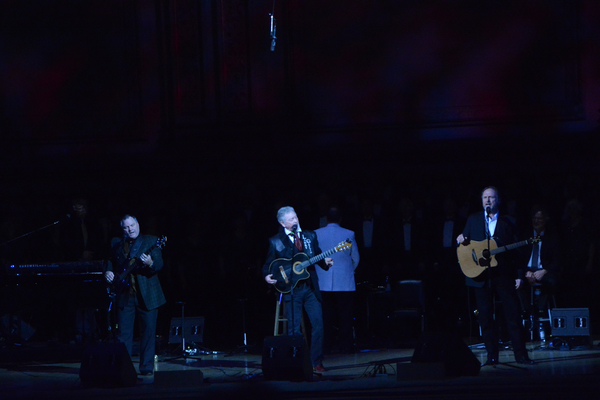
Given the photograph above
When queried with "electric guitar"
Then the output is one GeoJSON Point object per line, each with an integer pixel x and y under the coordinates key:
{"type": "Point", "coordinates": [121, 280]}
{"type": "Point", "coordinates": [289, 271]}
{"type": "Point", "coordinates": [474, 257]}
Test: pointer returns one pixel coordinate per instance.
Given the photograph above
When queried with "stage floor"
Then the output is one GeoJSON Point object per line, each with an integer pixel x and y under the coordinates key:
{"type": "Point", "coordinates": [558, 373]}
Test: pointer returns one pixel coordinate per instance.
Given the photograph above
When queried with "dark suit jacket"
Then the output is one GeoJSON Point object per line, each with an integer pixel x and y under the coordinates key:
{"type": "Point", "coordinates": [148, 283]}
{"type": "Point", "coordinates": [280, 246]}
{"type": "Point", "coordinates": [72, 242]}
{"type": "Point", "coordinates": [503, 235]}
{"type": "Point", "coordinates": [549, 253]}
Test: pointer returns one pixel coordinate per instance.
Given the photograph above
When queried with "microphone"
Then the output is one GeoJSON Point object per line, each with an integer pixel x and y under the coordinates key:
{"type": "Point", "coordinates": [273, 31]}
{"type": "Point", "coordinates": [294, 228]}
{"type": "Point", "coordinates": [487, 221]}
{"type": "Point", "coordinates": [63, 220]}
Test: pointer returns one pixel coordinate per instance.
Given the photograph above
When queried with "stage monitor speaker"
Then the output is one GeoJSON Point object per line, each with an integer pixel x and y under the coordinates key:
{"type": "Point", "coordinates": [449, 351]}
{"type": "Point", "coordinates": [193, 330]}
{"type": "Point", "coordinates": [107, 365]}
{"type": "Point", "coordinates": [286, 358]}
{"type": "Point", "coordinates": [567, 322]}
{"type": "Point", "coordinates": [186, 378]}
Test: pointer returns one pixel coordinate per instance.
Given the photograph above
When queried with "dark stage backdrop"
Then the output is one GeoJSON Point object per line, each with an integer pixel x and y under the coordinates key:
{"type": "Point", "coordinates": [113, 71]}
{"type": "Point", "coordinates": [429, 63]}
{"type": "Point", "coordinates": [71, 71]}
{"type": "Point", "coordinates": [177, 111]}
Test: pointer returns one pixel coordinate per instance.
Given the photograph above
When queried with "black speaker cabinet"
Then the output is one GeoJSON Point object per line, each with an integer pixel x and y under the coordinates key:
{"type": "Point", "coordinates": [193, 330]}
{"type": "Point", "coordinates": [447, 351]}
{"type": "Point", "coordinates": [186, 378]}
{"type": "Point", "coordinates": [107, 365]}
{"type": "Point", "coordinates": [567, 322]}
{"type": "Point", "coordinates": [286, 358]}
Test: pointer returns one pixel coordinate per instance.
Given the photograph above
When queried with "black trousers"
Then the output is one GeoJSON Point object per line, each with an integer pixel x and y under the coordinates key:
{"type": "Point", "coordinates": [129, 310]}
{"type": "Point", "coordinates": [338, 312]}
{"type": "Point", "coordinates": [504, 289]}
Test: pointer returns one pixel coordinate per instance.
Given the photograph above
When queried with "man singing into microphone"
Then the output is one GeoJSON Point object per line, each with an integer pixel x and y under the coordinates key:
{"type": "Point", "coordinates": [501, 280]}
{"type": "Point", "coordinates": [290, 241]}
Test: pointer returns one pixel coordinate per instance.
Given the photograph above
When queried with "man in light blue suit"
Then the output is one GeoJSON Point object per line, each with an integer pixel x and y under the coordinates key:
{"type": "Point", "coordinates": [337, 285]}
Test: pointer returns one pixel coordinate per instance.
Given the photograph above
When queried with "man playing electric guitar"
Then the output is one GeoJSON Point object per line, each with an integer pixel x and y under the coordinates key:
{"type": "Point", "coordinates": [291, 240]}
{"type": "Point", "coordinates": [143, 295]}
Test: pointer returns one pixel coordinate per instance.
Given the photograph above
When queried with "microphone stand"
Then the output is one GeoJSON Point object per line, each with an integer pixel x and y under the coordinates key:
{"type": "Point", "coordinates": [488, 235]}
{"type": "Point", "coordinates": [245, 348]}
{"type": "Point", "coordinates": [295, 249]}
{"type": "Point", "coordinates": [30, 233]}
{"type": "Point", "coordinates": [490, 272]}
{"type": "Point", "coordinates": [294, 229]}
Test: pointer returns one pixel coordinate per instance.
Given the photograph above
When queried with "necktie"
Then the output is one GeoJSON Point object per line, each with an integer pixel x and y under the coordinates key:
{"type": "Point", "coordinates": [297, 241]}
{"type": "Point", "coordinates": [85, 234]}
{"type": "Point", "coordinates": [535, 255]}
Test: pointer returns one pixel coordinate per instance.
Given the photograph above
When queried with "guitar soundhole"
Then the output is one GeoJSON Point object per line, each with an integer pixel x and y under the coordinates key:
{"type": "Point", "coordinates": [296, 271]}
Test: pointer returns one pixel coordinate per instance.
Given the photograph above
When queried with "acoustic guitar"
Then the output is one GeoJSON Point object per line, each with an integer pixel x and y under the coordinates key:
{"type": "Point", "coordinates": [289, 271]}
{"type": "Point", "coordinates": [474, 257]}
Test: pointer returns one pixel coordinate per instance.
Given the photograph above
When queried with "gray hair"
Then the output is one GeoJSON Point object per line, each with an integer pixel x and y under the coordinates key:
{"type": "Point", "coordinates": [284, 210]}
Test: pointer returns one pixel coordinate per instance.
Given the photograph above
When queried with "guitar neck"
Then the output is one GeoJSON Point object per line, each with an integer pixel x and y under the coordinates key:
{"type": "Point", "coordinates": [510, 247]}
{"type": "Point", "coordinates": [321, 256]}
{"type": "Point", "coordinates": [134, 260]}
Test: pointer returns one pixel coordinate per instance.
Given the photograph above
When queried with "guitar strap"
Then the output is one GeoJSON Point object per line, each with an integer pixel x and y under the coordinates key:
{"type": "Point", "coordinates": [135, 249]}
{"type": "Point", "coordinates": [127, 250]}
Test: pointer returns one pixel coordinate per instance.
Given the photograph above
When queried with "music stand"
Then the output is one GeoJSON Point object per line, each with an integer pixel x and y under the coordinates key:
{"type": "Point", "coordinates": [244, 348]}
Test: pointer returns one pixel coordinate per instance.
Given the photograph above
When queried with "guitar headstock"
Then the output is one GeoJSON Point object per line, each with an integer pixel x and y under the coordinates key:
{"type": "Point", "coordinates": [345, 245]}
{"type": "Point", "coordinates": [161, 242]}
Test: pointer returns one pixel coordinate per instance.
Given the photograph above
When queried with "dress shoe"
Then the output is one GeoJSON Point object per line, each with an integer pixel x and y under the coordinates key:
{"type": "Point", "coordinates": [490, 361]}
{"type": "Point", "coordinates": [320, 368]}
{"type": "Point", "coordinates": [525, 360]}
{"type": "Point", "coordinates": [145, 378]}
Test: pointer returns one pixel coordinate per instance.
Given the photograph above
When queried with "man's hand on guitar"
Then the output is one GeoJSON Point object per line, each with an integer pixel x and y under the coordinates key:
{"type": "Point", "coordinates": [460, 239]}
{"type": "Point", "coordinates": [109, 276]}
{"type": "Point", "coordinates": [146, 260]}
{"type": "Point", "coordinates": [270, 280]}
{"type": "Point", "coordinates": [329, 261]}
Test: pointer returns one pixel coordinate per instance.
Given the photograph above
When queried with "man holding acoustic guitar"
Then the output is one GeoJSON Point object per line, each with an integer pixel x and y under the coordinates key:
{"type": "Point", "coordinates": [292, 254]}
{"type": "Point", "coordinates": [486, 234]}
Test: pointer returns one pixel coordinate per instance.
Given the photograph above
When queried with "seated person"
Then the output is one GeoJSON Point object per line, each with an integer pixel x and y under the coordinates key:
{"type": "Point", "coordinates": [542, 264]}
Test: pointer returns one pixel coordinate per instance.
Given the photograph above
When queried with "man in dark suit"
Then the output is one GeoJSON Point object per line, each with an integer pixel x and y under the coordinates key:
{"type": "Point", "coordinates": [370, 238]}
{"type": "Point", "coordinates": [542, 264]}
{"type": "Point", "coordinates": [407, 238]}
{"type": "Point", "coordinates": [82, 235]}
{"type": "Point", "coordinates": [502, 279]}
{"type": "Point", "coordinates": [143, 294]}
{"type": "Point", "coordinates": [290, 241]}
